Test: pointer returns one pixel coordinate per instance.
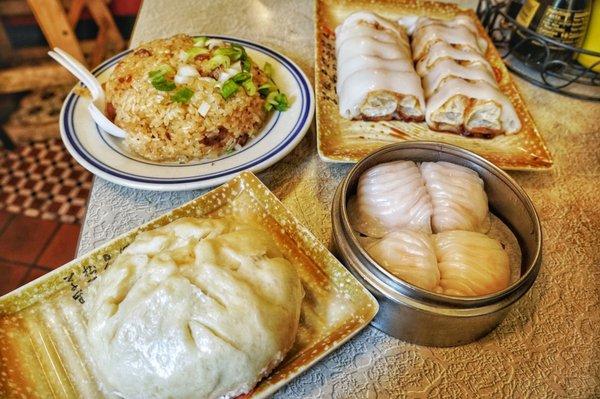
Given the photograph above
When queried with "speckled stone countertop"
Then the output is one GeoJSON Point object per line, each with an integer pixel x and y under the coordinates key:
{"type": "Point", "coordinates": [548, 346]}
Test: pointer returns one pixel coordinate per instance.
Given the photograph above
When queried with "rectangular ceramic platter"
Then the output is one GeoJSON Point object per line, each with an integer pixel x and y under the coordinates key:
{"type": "Point", "coordinates": [342, 140]}
{"type": "Point", "coordinates": [42, 342]}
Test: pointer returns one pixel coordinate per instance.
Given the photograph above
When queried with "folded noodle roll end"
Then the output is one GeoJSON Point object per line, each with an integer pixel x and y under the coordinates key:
{"type": "Point", "coordinates": [380, 94]}
{"type": "Point", "coordinates": [446, 68]}
{"type": "Point", "coordinates": [424, 38]}
{"type": "Point", "coordinates": [471, 107]}
{"type": "Point", "coordinates": [442, 50]}
{"type": "Point", "coordinates": [376, 79]}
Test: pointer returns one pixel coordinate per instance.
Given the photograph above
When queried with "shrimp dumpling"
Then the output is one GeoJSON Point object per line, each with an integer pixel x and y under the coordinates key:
{"type": "Point", "coordinates": [408, 255]}
{"type": "Point", "coordinates": [458, 197]}
{"type": "Point", "coordinates": [392, 196]}
{"type": "Point", "coordinates": [471, 263]}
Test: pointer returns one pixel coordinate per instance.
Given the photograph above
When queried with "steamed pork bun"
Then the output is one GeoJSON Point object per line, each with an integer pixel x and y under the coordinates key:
{"type": "Point", "coordinates": [199, 308]}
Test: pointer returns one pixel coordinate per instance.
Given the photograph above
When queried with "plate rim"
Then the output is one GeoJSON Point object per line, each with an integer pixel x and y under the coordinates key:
{"type": "Point", "coordinates": [257, 164]}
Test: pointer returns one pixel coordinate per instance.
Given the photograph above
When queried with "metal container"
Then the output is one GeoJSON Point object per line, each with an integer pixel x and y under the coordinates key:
{"type": "Point", "coordinates": [419, 316]}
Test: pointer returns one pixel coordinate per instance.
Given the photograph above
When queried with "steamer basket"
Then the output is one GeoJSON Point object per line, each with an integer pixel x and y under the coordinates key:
{"type": "Point", "coordinates": [419, 316]}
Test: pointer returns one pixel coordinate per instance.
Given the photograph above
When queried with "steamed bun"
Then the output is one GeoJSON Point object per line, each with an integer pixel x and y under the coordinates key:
{"type": "Point", "coordinates": [199, 308]}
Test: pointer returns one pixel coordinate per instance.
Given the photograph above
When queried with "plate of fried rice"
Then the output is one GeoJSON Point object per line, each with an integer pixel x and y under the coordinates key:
{"type": "Point", "coordinates": [196, 112]}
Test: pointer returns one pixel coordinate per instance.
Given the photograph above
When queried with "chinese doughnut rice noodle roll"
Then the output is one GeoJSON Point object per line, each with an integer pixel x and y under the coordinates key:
{"type": "Point", "coordinates": [442, 50]}
{"type": "Point", "coordinates": [461, 92]}
{"type": "Point", "coordinates": [409, 255]}
{"type": "Point", "coordinates": [458, 21]}
{"type": "Point", "coordinates": [198, 308]}
{"type": "Point", "coordinates": [376, 79]}
{"type": "Point", "coordinates": [392, 196]}
{"type": "Point", "coordinates": [470, 263]}
{"type": "Point", "coordinates": [457, 36]}
{"type": "Point", "coordinates": [447, 68]}
{"type": "Point", "coordinates": [458, 197]}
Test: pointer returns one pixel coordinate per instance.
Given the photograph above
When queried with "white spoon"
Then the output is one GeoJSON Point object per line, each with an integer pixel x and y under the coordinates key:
{"type": "Point", "coordinates": [97, 105]}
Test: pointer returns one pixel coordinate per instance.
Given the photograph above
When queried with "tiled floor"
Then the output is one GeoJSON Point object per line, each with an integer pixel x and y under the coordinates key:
{"type": "Point", "coordinates": [30, 247]}
{"type": "Point", "coordinates": [41, 179]}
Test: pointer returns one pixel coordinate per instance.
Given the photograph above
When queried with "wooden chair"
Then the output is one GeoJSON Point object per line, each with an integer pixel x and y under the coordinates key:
{"type": "Point", "coordinates": [58, 25]}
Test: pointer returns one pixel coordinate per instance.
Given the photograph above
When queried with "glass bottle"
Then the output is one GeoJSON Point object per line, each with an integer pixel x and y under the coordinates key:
{"type": "Point", "coordinates": [565, 21]}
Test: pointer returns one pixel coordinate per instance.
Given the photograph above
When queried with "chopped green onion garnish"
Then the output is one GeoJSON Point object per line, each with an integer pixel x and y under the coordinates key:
{"type": "Point", "coordinates": [270, 101]}
{"type": "Point", "coordinates": [276, 100]}
{"type": "Point", "coordinates": [233, 53]}
{"type": "Point", "coordinates": [200, 41]}
{"type": "Point", "coordinates": [282, 102]}
{"type": "Point", "coordinates": [217, 60]}
{"type": "Point", "coordinates": [250, 87]}
{"type": "Point", "coordinates": [246, 65]}
{"type": "Point", "coordinates": [183, 95]}
{"type": "Point", "coordinates": [158, 79]}
{"type": "Point", "coordinates": [241, 77]}
{"type": "Point", "coordinates": [161, 71]}
{"type": "Point", "coordinates": [229, 88]}
{"type": "Point", "coordinates": [163, 84]}
{"type": "Point", "coordinates": [268, 68]}
{"type": "Point", "coordinates": [194, 51]}
{"type": "Point", "coordinates": [267, 88]}
{"type": "Point", "coordinates": [241, 50]}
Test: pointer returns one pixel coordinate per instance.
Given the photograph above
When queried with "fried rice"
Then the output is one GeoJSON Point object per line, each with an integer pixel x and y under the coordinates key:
{"type": "Point", "coordinates": [161, 129]}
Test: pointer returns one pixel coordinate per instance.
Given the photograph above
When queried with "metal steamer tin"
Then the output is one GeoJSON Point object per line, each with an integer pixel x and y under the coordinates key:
{"type": "Point", "coordinates": [423, 317]}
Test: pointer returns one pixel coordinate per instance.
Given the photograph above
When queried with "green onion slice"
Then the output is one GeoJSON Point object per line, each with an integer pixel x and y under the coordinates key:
{"type": "Point", "coordinates": [182, 95]}
{"type": "Point", "coordinates": [241, 77]}
{"type": "Point", "coordinates": [267, 88]}
{"type": "Point", "coordinates": [270, 100]}
{"type": "Point", "coordinates": [158, 78]}
{"type": "Point", "coordinates": [246, 65]}
{"type": "Point", "coordinates": [234, 53]}
{"type": "Point", "coordinates": [229, 88]}
{"type": "Point", "coordinates": [281, 102]}
{"type": "Point", "coordinates": [250, 87]}
{"type": "Point", "coordinates": [163, 84]}
{"type": "Point", "coordinates": [268, 68]}
{"type": "Point", "coordinates": [276, 100]}
{"type": "Point", "coordinates": [200, 41]}
{"type": "Point", "coordinates": [161, 71]}
{"type": "Point", "coordinates": [217, 60]}
{"type": "Point", "coordinates": [242, 51]}
{"type": "Point", "coordinates": [194, 51]}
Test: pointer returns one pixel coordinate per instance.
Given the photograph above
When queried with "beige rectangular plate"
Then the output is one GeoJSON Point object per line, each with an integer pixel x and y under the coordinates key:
{"type": "Point", "coordinates": [341, 140]}
{"type": "Point", "coordinates": [42, 341]}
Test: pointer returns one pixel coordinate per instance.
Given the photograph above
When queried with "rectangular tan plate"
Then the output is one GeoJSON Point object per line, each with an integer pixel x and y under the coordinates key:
{"type": "Point", "coordinates": [42, 341]}
{"type": "Point", "coordinates": [341, 140]}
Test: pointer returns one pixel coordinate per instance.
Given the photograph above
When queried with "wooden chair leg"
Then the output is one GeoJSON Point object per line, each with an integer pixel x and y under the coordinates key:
{"type": "Point", "coordinates": [51, 17]}
{"type": "Point", "coordinates": [75, 11]}
{"type": "Point", "coordinates": [109, 37]}
{"type": "Point", "coordinates": [5, 47]}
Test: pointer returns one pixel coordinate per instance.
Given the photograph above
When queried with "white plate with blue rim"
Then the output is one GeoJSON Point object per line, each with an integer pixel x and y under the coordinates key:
{"type": "Point", "coordinates": [107, 156]}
